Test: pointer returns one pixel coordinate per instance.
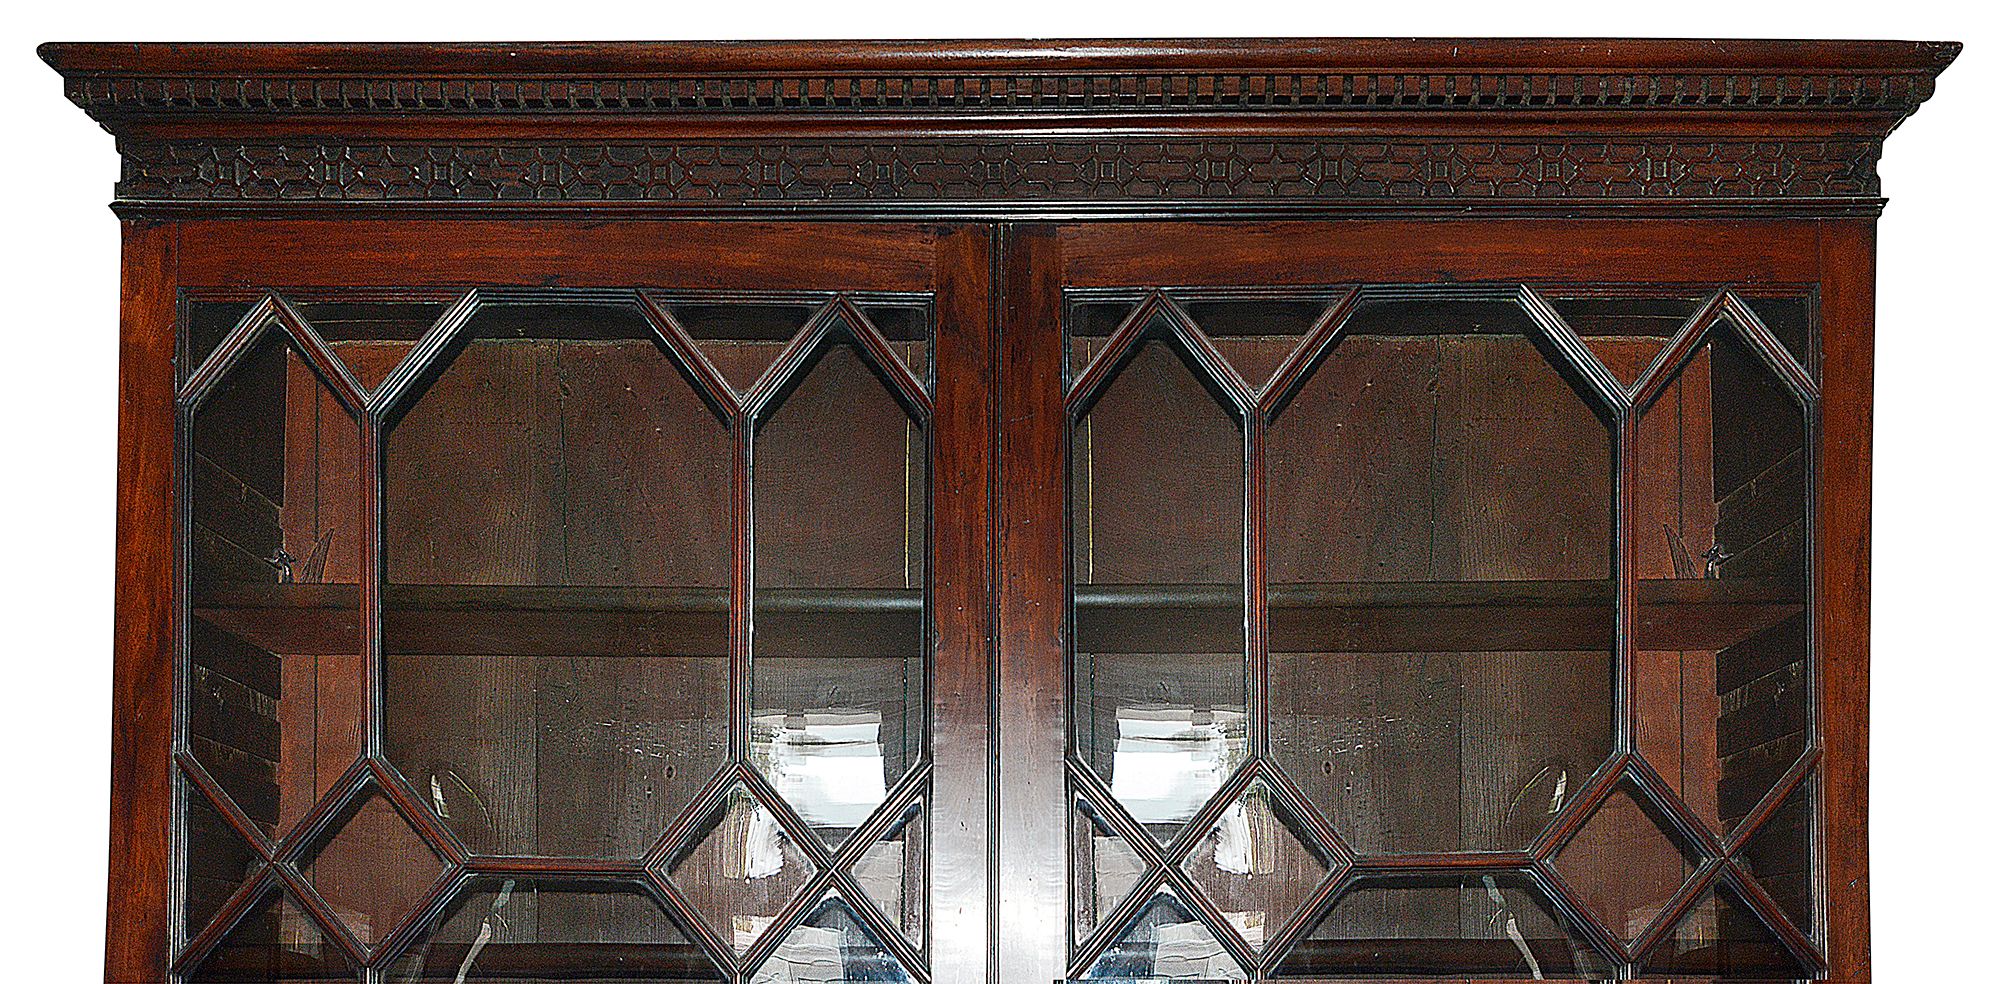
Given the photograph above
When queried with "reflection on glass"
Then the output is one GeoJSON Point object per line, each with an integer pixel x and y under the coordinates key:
{"type": "Point", "coordinates": [1720, 528]}
{"type": "Point", "coordinates": [1103, 869]}
{"type": "Point", "coordinates": [1156, 535]}
{"type": "Point", "coordinates": [1721, 939]}
{"type": "Point", "coordinates": [1439, 561]}
{"type": "Point", "coordinates": [274, 675]}
{"type": "Point", "coordinates": [839, 493]}
{"type": "Point", "coordinates": [894, 873]}
{"type": "Point", "coordinates": [832, 944]}
{"type": "Point", "coordinates": [548, 930]}
{"type": "Point", "coordinates": [740, 869]}
{"type": "Point", "coordinates": [275, 941]}
{"type": "Point", "coordinates": [1254, 864]}
{"type": "Point", "coordinates": [371, 867]}
{"type": "Point", "coordinates": [558, 548]}
{"type": "Point", "coordinates": [1166, 941]}
{"type": "Point", "coordinates": [1457, 927]}
{"type": "Point", "coordinates": [1625, 863]}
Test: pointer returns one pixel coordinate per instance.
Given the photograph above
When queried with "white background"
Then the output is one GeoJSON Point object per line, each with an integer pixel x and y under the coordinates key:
{"type": "Point", "coordinates": [1938, 371]}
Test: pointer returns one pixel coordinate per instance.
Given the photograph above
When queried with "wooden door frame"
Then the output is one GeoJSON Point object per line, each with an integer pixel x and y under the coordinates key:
{"type": "Point", "coordinates": [164, 259]}
{"type": "Point", "coordinates": [1040, 260]}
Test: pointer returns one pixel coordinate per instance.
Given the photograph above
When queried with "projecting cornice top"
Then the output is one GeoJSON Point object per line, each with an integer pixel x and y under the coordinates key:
{"type": "Point", "coordinates": [998, 122]}
{"type": "Point", "coordinates": [117, 80]}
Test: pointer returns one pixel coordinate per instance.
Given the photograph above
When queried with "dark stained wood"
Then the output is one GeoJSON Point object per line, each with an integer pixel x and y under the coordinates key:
{"type": "Point", "coordinates": [1845, 457]}
{"type": "Point", "coordinates": [142, 671]}
{"type": "Point", "coordinates": [1065, 127]}
{"type": "Point", "coordinates": [1117, 254]}
{"type": "Point", "coordinates": [1006, 56]}
{"type": "Point", "coordinates": [335, 253]}
{"type": "Point", "coordinates": [1376, 616]}
{"type": "Point", "coordinates": [1436, 563]}
{"type": "Point", "coordinates": [1031, 944]}
{"type": "Point", "coordinates": [965, 747]}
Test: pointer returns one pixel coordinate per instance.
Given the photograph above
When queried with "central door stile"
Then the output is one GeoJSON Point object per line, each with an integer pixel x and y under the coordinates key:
{"type": "Point", "coordinates": [1032, 871]}
{"type": "Point", "coordinates": [963, 740]}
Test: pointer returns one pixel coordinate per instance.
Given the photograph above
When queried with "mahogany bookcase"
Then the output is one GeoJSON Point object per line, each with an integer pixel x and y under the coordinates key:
{"type": "Point", "coordinates": [994, 511]}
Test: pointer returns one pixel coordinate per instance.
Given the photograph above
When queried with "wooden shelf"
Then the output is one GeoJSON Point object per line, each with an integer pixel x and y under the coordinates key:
{"type": "Point", "coordinates": [1382, 617]}
{"type": "Point", "coordinates": [1430, 616]}
{"type": "Point", "coordinates": [513, 620]}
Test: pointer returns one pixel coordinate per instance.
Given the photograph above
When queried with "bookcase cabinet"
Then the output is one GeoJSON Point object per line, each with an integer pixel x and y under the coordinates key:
{"type": "Point", "coordinates": [994, 511]}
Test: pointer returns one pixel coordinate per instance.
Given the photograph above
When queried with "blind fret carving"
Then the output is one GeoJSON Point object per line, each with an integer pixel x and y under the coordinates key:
{"type": "Point", "coordinates": [999, 171]}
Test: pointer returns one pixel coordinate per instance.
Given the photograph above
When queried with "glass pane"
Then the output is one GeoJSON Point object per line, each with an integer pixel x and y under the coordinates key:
{"type": "Point", "coordinates": [371, 868]}
{"type": "Point", "coordinates": [1779, 856]}
{"type": "Point", "coordinates": [1471, 926]}
{"type": "Point", "coordinates": [1793, 318]}
{"type": "Point", "coordinates": [274, 676]}
{"type": "Point", "coordinates": [370, 337]}
{"type": "Point", "coordinates": [1721, 939]}
{"type": "Point", "coordinates": [545, 931]}
{"type": "Point", "coordinates": [740, 869]}
{"type": "Point", "coordinates": [275, 941]}
{"type": "Point", "coordinates": [1255, 865]}
{"type": "Point", "coordinates": [1625, 332]}
{"type": "Point", "coordinates": [839, 500]}
{"type": "Point", "coordinates": [1720, 678]}
{"type": "Point", "coordinates": [830, 945]}
{"type": "Point", "coordinates": [1624, 863]}
{"type": "Point", "coordinates": [1087, 323]}
{"type": "Point", "coordinates": [1166, 941]}
{"type": "Point", "coordinates": [1103, 869]}
{"type": "Point", "coordinates": [1256, 334]}
{"type": "Point", "coordinates": [894, 873]}
{"type": "Point", "coordinates": [906, 326]}
{"type": "Point", "coordinates": [218, 862]}
{"type": "Point", "coordinates": [741, 339]}
{"type": "Point", "coordinates": [205, 325]}
{"type": "Point", "coordinates": [1439, 562]}
{"type": "Point", "coordinates": [1156, 535]}
{"type": "Point", "coordinates": [558, 543]}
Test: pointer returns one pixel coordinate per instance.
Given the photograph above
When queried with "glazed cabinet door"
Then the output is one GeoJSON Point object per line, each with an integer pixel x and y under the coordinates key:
{"type": "Point", "coordinates": [1434, 601]}
{"type": "Point", "coordinates": [580, 602]}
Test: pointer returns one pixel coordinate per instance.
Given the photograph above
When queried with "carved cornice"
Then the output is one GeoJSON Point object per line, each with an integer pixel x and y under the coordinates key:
{"type": "Point", "coordinates": [960, 78]}
{"type": "Point", "coordinates": [1002, 122]}
{"type": "Point", "coordinates": [1000, 171]}
{"type": "Point", "coordinates": [107, 96]}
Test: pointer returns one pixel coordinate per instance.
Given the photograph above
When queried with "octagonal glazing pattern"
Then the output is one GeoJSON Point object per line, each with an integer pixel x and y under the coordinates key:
{"type": "Point", "coordinates": [548, 928]}
{"type": "Point", "coordinates": [276, 940]}
{"type": "Point", "coordinates": [741, 868]}
{"type": "Point", "coordinates": [555, 458]}
{"type": "Point", "coordinates": [1441, 456]}
{"type": "Point", "coordinates": [839, 477]}
{"type": "Point", "coordinates": [1498, 925]}
{"type": "Point", "coordinates": [371, 866]}
{"type": "Point", "coordinates": [1450, 616]}
{"type": "Point", "coordinates": [564, 631]}
{"type": "Point", "coordinates": [1158, 671]}
{"type": "Point", "coordinates": [274, 674]}
{"type": "Point", "coordinates": [1722, 666]}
